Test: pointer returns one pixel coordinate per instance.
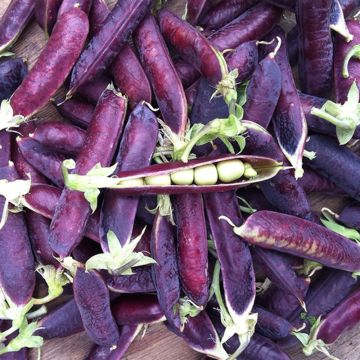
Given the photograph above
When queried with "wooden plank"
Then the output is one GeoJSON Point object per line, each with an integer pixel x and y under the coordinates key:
{"type": "Point", "coordinates": [157, 343]}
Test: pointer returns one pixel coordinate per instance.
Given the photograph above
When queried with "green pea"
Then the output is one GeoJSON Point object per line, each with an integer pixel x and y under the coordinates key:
{"type": "Point", "coordinates": [230, 170]}
{"type": "Point", "coordinates": [132, 182]}
{"type": "Point", "coordinates": [206, 175]}
{"type": "Point", "coordinates": [249, 171]}
{"type": "Point", "coordinates": [158, 180]}
{"type": "Point", "coordinates": [183, 177]}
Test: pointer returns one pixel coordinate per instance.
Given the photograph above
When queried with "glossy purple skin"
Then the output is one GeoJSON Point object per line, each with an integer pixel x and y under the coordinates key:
{"type": "Point", "coordinates": [350, 216]}
{"type": "Point", "coordinates": [156, 61]}
{"type": "Point", "coordinates": [344, 316]}
{"type": "Point", "coordinates": [61, 322]}
{"type": "Point", "coordinates": [98, 14]}
{"type": "Point", "coordinates": [192, 247]}
{"type": "Point", "coordinates": [12, 73]}
{"type": "Point", "coordinates": [136, 149]}
{"type": "Point", "coordinates": [333, 162]}
{"type": "Point", "coordinates": [92, 90]}
{"type": "Point", "coordinates": [234, 255]}
{"type": "Point", "coordinates": [14, 20]}
{"type": "Point", "coordinates": [77, 111]}
{"type": "Point", "coordinates": [263, 92]}
{"type": "Point", "coordinates": [66, 5]}
{"type": "Point", "coordinates": [315, 46]}
{"type": "Point", "coordinates": [60, 136]}
{"type": "Point", "coordinates": [140, 282]}
{"type": "Point", "coordinates": [314, 182]}
{"type": "Point", "coordinates": [253, 24]}
{"type": "Point", "coordinates": [60, 53]}
{"type": "Point", "coordinates": [224, 12]}
{"type": "Point", "coordinates": [278, 268]}
{"type": "Point", "coordinates": [105, 45]}
{"type": "Point", "coordinates": [17, 267]}
{"type": "Point", "coordinates": [341, 48]}
{"type": "Point", "coordinates": [191, 45]}
{"type": "Point", "coordinates": [46, 12]}
{"type": "Point", "coordinates": [102, 136]}
{"type": "Point", "coordinates": [43, 200]}
{"type": "Point", "coordinates": [166, 272]}
{"type": "Point", "coordinates": [92, 298]}
{"type": "Point", "coordinates": [187, 73]}
{"type": "Point", "coordinates": [127, 335]}
{"type": "Point", "coordinates": [5, 147]}
{"type": "Point", "coordinates": [43, 159]}
{"type": "Point", "coordinates": [130, 77]}
{"type": "Point", "coordinates": [271, 325]}
{"type": "Point", "coordinates": [299, 237]}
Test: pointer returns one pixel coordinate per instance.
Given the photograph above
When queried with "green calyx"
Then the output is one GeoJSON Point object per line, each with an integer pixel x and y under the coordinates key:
{"type": "Point", "coordinates": [187, 308]}
{"type": "Point", "coordinates": [119, 260]}
{"type": "Point", "coordinates": [346, 117]}
{"type": "Point", "coordinates": [7, 118]}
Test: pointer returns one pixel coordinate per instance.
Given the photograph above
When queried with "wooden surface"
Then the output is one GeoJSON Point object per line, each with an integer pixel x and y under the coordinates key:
{"type": "Point", "coordinates": [157, 343]}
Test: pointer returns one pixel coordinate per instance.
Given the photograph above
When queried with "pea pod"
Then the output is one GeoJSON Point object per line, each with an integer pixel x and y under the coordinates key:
{"type": "Point", "coordinates": [46, 12]}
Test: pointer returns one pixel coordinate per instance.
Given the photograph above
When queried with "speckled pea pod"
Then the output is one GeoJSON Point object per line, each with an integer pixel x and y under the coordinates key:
{"type": "Point", "coordinates": [60, 54]}
{"type": "Point", "coordinates": [46, 13]}
{"type": "Point", "coordinates": [93, 300]}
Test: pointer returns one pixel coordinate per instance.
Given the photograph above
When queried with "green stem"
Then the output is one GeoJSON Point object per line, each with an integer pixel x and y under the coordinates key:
{"type": "Point", "coordinates": [353, 52]}
{"type": "Point", "coordinates": [333, 120]}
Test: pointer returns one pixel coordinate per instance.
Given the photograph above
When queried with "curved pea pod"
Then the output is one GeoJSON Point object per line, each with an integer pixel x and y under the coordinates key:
{"type": "Point", "coordinates": [77, 111]}
{"type": "Point", "coordinates": [263, 92]}
{"type": "Point", "coordinates": [335, 162]}
{"type": "Point", "coordinates": [136, 149]}
{"type": "Point", "coordinates": [93, 300]}
{"type": "Point", "coordinates": [61, 322]}
{"type": "Point", "coordinates": [67, 5]}
{"type": "Point", "coordinates": [282, 191]}
{"type": "Point", "coordinates": [60, 53]}
{"type": "Point", "coordinates": [14, 20]}
{"type": "Point", "coordinates": [343, 83]}
{"type": "Point", "coordinates": [105, 45]}
{"type": "Point", "coordinates": [253, 24]}
{"type": "Point", "coordinates": [314, 182]}
{"type": "Point", "coordinates": [43, 159]}
{"type": "Point", "coordinates": [350, 216]}
{"type": "Point", "coordinates": [344, 316]}
{"type": "Point", "coordinates": [224, 12]}
{"type": "Point", "coordinates": [17, 268]}
{"type": "Point", "coordinates": [46, 12]}
{"type": "Point", "coordinates": [192, 247]}
{"type": "Point", "coordinates": [271, 325]}
{"type": "Point", "coordinates": [278, 269]}
{"type": "Point", "coordinates": [12, 73]}
{"type": "Point", "coordinates": [60, 136]}
{"type": "Point", "coordinates": [140, 282]}
{"type": "Point", "coordinates": [234, 257]}
{"type": "Point", "coordinates": [191, 45]}
{"type": "Point", "coordinates": [285, 4]}
{"type": "Point", "coordinates": [299, 237]}
{"type": "Point", "coordinates": [92, 90]}
{"type": "Point", "coordinates": [165, 272]}
{"type": "Point", "coordinates": [130, 77]}
{"type": "Point", "coordinates": [156, 60]}
{"type": "Point", "coordinates": [315, 46]}
{"type": "Point", "coordinates": [200, 334]}
{"type": "Point", "coordinates": [127, 335]}
{"type": "Point", "coordinates": [187, 73]}
{"type": "Point", "coordinates": [98, 14]}
{"type": "Point", "coordinates": [43, 200]}
{"type": "Point", "coordinates": [102, 137]}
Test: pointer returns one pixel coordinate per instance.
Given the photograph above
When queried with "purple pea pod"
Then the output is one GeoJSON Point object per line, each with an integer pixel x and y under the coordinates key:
{"type": "Point", "coordinates": [43, 159]}
{"type": "Point", "coordinates": [348, 6]}
{"type": "Point", "coordinates": [92, 90]}
{"type": "Point", "coordinates": [187, 73]}
{"type": "Point", "coordinates": [165, 271]}
{"type": "Point", "coordinates": [118, 212]}
{"type": "Point", "coordinates": [195, 8]}
{"type": "Point", "coordinates": [93, 300]}
{"type": "Point", "coordinates": [46, 12]}
{"type": "Point", "coordinates": [350, 216]}
{"type": "Point", "coordinates": [334, 162]}
{"type": "Point", "coordinates": [313, 182]}
{"type": "Point", "coordinates": [127, 335]}
{"type": "Point", "coordinates": [17, 268]}
{"type": "Point", "coordinates": [191, 93]}
{"type": "Point", "coordinates": [299, 237]}
{"type": "Point", "coordinates": [140, 282]}
{"type": "Point", "coordinates": [234, 257]}
{"type": "Point", "coordinates": [224, 12]}
{"type": "Point", "coordinates": [60, 136]}
{"type": "Point", "coordinates": [285, 4]}
{"type": "Point", "coordinates": [5, 148]}
{"type": "Point", "coordinates": [77, 111]}
{"type": "Point", "coordinates": [66, 5]}
{"type": "Point", "coordinates": [98, 14]}
{"type": "Point", "coordinates": [253, 24]}
{"type": "Point", "coordinates": [315, 46]}
{"type": "Point", "coordinates": [263, 91]}
{"type": "Point", "coordinates": [192, 247]}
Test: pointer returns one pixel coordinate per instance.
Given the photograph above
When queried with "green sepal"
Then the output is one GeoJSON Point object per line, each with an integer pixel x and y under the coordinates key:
{"type": "Point", "coordinates": [187, 308]}
{"type": "Point", "coordinates": [353, 52]}
{"type": "Point", "coordinates": [7, 118]}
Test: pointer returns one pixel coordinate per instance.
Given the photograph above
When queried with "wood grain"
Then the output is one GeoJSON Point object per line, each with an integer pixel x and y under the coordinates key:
{"type": "Point", "coordinates": [157, 343]}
